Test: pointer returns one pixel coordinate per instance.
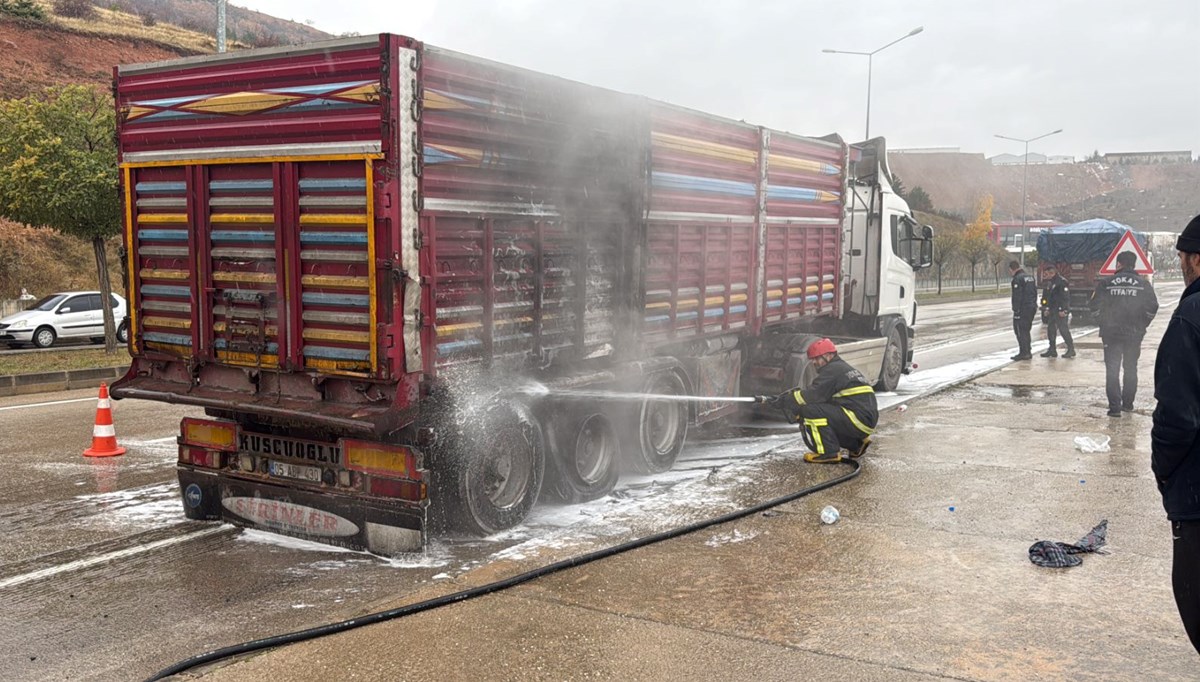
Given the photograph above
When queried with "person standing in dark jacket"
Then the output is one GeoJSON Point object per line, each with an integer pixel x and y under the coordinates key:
{"type": "Point", "coordinates": [1024, 306]}
{"type": "Point", "coordinates": [839, 409]}
{"type": "Point", "coordinates": [1175, 436]}
{"type": "Point", "coordinates": [1126, 305]}
{"type": "Point", "coordinates": [1056, 301]}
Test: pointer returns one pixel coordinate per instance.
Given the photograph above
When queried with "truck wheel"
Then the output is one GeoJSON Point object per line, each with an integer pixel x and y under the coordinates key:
{"type": "Point", "coordinates": [586, 469]}
{"type": "Point", "coordinates": [660, 426]}
{"type": "Point", "coordinates": [500, 471]}
{"type": "Point", "coordinates": [44, 337]}
{"type": "Point", "coordinates": [893, 360]}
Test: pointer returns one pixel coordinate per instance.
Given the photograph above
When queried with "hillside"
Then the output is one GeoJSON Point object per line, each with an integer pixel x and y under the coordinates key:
{"type": "Point", "coordinates": [33, 56]}
{"type": "Point", "coordinates": [59, 50]}
{"type": "Point", "coordinates": [1150, 197]}
{"type": "Point", "coordinates": [242, 25]}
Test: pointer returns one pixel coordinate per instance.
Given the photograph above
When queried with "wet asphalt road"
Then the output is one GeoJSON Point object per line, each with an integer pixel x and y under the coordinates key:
{"type": "Point", "coordinates": [102, 577]}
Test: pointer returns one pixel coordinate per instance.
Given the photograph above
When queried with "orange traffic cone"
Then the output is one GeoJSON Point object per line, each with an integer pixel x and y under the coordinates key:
{"type": "Point", "coordinates": [104, 436]}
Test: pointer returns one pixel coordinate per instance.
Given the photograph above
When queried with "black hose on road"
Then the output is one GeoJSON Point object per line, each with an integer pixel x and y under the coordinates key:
{"type": "Point", "coordinates": [499, 585]}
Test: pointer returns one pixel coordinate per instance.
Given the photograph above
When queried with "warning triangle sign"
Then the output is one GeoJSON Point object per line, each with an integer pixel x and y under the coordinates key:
{"type": "Point", "coordinates": [1128, 243]}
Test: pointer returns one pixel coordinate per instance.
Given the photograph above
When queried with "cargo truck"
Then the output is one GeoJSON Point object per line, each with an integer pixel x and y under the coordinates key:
{"type": "Point", "coordinates": [1079, 252]}
{"type": "Point", "coordinates": [384, 268]}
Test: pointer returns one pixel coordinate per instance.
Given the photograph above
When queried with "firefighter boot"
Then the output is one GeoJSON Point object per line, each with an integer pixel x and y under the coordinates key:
{"type": "Point", "coordinates": [862, 448]}
{"type": "Point", "coordinates": [827, 458]}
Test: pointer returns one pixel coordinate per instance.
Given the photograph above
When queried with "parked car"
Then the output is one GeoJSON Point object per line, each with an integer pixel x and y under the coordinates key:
{"type": "Point", "coordinates": [65, 315]}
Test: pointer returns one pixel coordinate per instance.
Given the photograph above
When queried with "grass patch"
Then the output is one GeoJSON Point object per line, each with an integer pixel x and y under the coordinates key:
{"type": "Point", "coordinates": [115, 23]}
{"type": "Point", "coordinates": [55, 361]}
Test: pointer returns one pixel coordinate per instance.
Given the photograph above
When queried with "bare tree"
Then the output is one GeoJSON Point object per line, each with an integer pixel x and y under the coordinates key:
{"type": "Point", "coordinates": [975, 251]}
{"type": "Point", "coordinates": [947, 247]}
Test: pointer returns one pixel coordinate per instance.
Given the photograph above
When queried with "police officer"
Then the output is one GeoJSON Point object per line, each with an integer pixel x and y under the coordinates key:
{"type": "Point", "coordinates": [1056, 303]}
{"type": "Point", "coordinates": [838, 410]}
{"type": "Point", "coordinates": [1024, 305]}
{"type": "Point", "coordinates": [1126, 304]}
{"type": "Point", "coordinates": [1175, 437]}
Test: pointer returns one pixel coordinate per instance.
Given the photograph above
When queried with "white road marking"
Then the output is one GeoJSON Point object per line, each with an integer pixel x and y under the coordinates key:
{"type": "Point", "coordinates": [104, 558]}
{"type": "Point", "coordinates": [52, 402]}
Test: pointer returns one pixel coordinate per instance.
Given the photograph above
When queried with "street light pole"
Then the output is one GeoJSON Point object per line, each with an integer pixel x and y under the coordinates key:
{"type": "Point", "coordinates": [1025, 183]}
{"type": "Point", "coordinates": [870, 65]}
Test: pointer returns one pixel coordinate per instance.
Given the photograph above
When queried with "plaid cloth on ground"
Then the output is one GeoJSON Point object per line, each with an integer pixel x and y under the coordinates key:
{"type": "Point", "coordinates": [1062, 555]}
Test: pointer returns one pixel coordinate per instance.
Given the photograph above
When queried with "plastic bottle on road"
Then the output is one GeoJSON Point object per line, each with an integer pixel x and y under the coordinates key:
{"type": "Point", "coordinates": [830, 515]}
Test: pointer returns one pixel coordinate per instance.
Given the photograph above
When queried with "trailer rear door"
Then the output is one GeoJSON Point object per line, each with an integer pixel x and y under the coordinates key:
{"type": "Point", "coordinates": [264, 263]}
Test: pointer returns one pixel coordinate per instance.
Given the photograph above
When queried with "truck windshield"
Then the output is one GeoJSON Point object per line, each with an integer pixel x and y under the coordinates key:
{"type": "Point", "coordinates": [47, 303]}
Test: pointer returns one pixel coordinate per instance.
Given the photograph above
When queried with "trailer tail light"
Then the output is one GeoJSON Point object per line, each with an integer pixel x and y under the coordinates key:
{"type": "Point", "coordinates": [209, 459]}
{"type": "Point", "coordinates": [209, 433]}
{"type": "Point", "coordinates": [390, 487]}
{"type": "Point", "coordinates": [379, 459]}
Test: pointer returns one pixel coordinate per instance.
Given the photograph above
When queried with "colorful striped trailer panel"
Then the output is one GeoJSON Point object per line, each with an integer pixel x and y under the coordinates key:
{"type": "Point", "coordinates": [701, 224]}
{"type": "Point", "coordinates": [253, 191]}
{"type": "Point", "coordinates": [802, 221]}
{"type": "Point", "coordinates": [526, 187]}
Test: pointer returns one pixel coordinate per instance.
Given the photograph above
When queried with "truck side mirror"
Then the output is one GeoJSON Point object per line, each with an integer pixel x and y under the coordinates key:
{"type": "Point", "coordinates": [926, 247]}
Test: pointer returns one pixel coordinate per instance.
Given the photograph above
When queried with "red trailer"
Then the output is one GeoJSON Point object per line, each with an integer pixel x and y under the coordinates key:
{"type": "Point", "coordinates": [368, 258]}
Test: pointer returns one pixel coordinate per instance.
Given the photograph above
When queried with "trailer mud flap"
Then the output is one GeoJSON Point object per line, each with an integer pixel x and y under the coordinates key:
{"type": "Point", "coordinates": [373, 525]}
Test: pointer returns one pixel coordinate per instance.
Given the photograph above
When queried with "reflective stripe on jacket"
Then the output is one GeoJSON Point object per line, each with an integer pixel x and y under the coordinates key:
{"type": "Point", "coordinates": [839, 384]}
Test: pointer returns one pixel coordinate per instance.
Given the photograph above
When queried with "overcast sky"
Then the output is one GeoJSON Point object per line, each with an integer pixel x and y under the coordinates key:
{"type": "Point", "coordinates": [1115, 75]}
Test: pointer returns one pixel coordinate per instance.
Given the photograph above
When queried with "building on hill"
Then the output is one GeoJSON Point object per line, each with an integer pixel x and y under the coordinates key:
{"type": "Point", "coordinates": [1035, 159]}
{"type": "Point", "coordinates": [1126, 158]}
{"type": "Point", "coordinates": [1008, 234]}
{"type": "Point", "coordinates": [926, 150]}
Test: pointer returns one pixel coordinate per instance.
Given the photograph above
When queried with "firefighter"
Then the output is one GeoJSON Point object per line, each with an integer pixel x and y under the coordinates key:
{"type": "Point", "coordinates": [1056, 307]}
{"type": "Point", "coordinates": [837, 411]}
{"type": "Point", "coordinates": [1024, 305]}
{"type": "Point", "coordinates": [1126, 304]}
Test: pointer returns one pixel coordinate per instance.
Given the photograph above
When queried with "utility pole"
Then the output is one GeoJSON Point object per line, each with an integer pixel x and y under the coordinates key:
{"type": "Point", "coordinates": [1025, 183]}
{"type": "Point", "coordinates": [221, 25]}
{"type": "Point", "coordinates": [870, 63]}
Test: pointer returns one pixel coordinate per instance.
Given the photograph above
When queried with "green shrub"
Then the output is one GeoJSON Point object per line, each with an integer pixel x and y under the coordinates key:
{"type": "Point", "coordinates": [75, 9]}
{"type": "Point", "coordinates": [22, 9]}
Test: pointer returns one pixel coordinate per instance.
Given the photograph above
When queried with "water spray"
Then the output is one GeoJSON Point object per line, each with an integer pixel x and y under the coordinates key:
{"type": "Point", "coordinates": [537, 389]}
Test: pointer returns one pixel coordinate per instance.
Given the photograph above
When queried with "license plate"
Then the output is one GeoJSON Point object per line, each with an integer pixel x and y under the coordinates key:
{"type": "Point", "coordinates": [285, 470]}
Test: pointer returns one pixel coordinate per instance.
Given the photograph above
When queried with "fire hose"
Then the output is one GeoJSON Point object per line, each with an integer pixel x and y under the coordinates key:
{"type": "Point", "coordinates": [493, 587]}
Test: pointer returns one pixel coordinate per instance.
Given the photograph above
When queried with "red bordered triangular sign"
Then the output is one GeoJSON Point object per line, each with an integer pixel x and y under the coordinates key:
{"type": "Point", "coordinates": [1128, 243]}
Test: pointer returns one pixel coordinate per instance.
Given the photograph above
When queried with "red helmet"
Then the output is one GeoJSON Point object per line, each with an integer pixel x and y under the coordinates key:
{"type": "Point", "coordinates": [821, 347]}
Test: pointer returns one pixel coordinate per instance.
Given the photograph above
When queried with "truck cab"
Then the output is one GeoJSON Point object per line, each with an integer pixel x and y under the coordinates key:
{"type": "Point", "coordinates": [887, 246]}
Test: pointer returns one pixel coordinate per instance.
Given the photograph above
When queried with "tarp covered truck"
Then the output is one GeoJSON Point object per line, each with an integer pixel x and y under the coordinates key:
{"type": "Point", "coordinates": [376, 264]}
{"type": "Point", "coordinates": [1079, 251]}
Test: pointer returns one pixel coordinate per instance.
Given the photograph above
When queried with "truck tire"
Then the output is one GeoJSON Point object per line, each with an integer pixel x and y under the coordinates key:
{"type": "Point", "coordinates": [500, 465]}
{"type": "Point", "coordinates": [659, 427]}
{"type": "Point", "coordinates": [586, 465]}
{"type": "Point", "coordinates": [893, 359]}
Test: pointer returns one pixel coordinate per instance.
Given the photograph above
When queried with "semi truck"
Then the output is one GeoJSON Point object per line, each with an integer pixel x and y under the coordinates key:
{"type": "Point", "coordinates": [386, 271]}
{"type": "Point", "coordinates": [1079, 252]}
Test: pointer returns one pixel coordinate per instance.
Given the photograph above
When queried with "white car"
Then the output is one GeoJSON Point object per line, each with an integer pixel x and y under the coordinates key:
{"type": "Point", "coordinates": [66, 315]}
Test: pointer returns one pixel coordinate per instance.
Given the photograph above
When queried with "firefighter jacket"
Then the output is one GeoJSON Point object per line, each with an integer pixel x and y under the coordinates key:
{"type": "Point", "coordinates": [1126, 305]}
{"type": "Point", "coordinates": [1175, 436]}
{"type": "Point", "coordinates": [1024, 294]}
{"type": "Point", "coordinates": [1056, 295]}
{"type": "Point", "coordinates": [839, 384]}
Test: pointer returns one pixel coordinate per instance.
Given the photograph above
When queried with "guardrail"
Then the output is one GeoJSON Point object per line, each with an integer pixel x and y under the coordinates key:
{"type": "Point", "coordinates": [45, 382]}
